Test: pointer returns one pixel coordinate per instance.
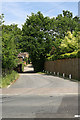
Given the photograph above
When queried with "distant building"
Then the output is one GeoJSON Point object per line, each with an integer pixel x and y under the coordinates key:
{"type": "Point", "coordinates": [79, 9]}
{"type": "Point", "coordinates": [25, 54]}
{"type": "Point", "coordinates": [22, 56]}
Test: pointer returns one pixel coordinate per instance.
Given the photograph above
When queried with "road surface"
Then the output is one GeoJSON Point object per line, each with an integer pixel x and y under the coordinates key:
{"type": "Point", "coordinates": [36, 95]}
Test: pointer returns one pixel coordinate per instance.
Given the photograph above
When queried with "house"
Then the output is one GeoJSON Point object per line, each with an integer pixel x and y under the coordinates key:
{"type": "Point", "coordinates": [22, 56]}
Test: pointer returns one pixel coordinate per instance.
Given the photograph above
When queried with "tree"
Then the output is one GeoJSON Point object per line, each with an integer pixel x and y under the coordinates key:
{"type": "Point", "coordinates": [36, 39]}
{"type": "Point", "coordinates": [65, 22]}
{"type": "Point", "coordinates": [69, 43]}
{"type": "Point", "coordinates": [1, 22]}
{"type": "Point", "coordinates": [69, 47]}
{"type": "Point", "coordinates": [67, 14]}
{"type": "Point", "coordinates": [1, 19]}
{"type": "Point", "coordinates": [9, 46]}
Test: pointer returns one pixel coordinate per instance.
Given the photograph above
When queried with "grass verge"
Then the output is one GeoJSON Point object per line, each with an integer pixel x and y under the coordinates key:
{"type": "Point", "coordinates": [8, 79]}
{"type": "Point", "coordinates": [41, 72]}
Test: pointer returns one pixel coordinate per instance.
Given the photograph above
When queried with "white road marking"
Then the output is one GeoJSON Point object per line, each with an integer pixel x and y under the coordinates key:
{"type": "Point", "coordinates": [8, 86]}
{"type": "Point", "coordinates": [39, 94]}
{"type": "Point", "coordinates": [77, 116]}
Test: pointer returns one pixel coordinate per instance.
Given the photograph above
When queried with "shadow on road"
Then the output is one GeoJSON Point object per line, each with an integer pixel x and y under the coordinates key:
{"type": "Point", "coordinates": [30, 66]}
{"type": "Point", "coordinates": [29, 72]}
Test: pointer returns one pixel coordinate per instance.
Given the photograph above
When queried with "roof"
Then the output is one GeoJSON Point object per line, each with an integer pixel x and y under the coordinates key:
{"type": "Point", "coordinates": [25, 54]}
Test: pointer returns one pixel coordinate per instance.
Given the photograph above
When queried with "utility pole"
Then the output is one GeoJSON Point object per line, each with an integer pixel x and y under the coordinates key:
{"type": "Point", "coordinates": [79, 9]}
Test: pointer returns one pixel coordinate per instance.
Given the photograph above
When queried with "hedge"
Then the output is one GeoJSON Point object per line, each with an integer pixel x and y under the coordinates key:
{"type": "Point", "coordinates": [75, 54]}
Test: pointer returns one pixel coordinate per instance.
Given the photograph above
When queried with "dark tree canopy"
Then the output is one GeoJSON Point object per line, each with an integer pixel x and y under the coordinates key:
{"type": "Point", "coordinates": [37, 38]}
{"type": "Point", "coordinates": [38, 32]}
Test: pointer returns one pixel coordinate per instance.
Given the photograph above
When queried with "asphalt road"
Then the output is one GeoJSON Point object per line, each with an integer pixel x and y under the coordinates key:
{"type": "Point", "coordinates": [40, 96]}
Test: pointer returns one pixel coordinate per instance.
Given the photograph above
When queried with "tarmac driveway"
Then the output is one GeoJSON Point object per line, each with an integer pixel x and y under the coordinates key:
{"type": "Point", "coordinates": [36, 95]}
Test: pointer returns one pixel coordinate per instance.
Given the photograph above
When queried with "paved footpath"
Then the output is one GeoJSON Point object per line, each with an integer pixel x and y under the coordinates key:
{"type": "Point", "coordinates": [36, 95]}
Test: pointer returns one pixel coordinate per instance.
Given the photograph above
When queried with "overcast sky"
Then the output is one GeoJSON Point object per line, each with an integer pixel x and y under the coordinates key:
{"type": "Point", "coordinates": [17, 11]}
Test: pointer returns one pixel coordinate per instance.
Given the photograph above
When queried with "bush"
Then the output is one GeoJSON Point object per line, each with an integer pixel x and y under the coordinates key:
{"type": "Point", "coordinates": [26, 60]}
{"type": "Point", "coordinates": [23, 67]}
{"type": "Point", "coordinates": [68, 48]}
{"type": "Point", "coordinates": [75, 54]}
{"type": "Point", "coordinates": [8, 79]}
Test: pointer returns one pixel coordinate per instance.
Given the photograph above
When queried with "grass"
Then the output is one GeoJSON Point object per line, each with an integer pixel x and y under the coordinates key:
{"type": "Point", "coordinates": [41, 72]}
{"type": "Point", "coordinates": [8, 79]}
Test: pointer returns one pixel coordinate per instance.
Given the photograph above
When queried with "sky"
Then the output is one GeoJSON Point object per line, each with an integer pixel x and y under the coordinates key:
{"type": "Point", "coordinates": [17, 11]}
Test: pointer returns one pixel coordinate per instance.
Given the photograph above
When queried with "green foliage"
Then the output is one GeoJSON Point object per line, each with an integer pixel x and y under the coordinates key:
{"type": "Point", "coordinates": [38, 41]}
{"type": "Point", "coordinates": [65, 22]}
{"type": "Point", "coordinates": [69, 43]}
{"type": "Point", "coordinates": [40, 36]}
{"type": "Point", "coordinates": [75, 54]}
{"type": "Point", "coordinates": [1, 22]}
{"type": "Point", "coordinates": [39, 32]}
{"type": "Point", "coordinates": [63, 41]}
{"type": "Point", "coordinates": [1, 19]}
{"type": "Point", "coordinates": [26, 60]}
{"type": "Point", "coordinates": [8, 79]}
{"type": "Point", "coordinates": [68, 48]}
{"type": "Point", "coordinates": [67, 14]}
{"type": "Point", "coordinates": [9, 47]}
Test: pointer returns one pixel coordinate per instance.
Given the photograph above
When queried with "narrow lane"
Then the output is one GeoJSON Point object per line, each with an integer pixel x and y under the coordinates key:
{"type": "Point", "coordinates": [36, 95]}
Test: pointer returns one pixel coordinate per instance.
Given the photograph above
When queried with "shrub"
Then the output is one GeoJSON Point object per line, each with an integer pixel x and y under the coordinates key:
{"type": "Point", "coordinates": [75, 54]}
{"type": "Point", "coordinates": [8, 79]}
{"type": "Point", "coordinates": [69, 47]}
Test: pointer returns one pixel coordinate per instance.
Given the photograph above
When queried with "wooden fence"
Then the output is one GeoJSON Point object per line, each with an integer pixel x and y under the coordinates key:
{"type": "Point", "coordinates": [64, 67]}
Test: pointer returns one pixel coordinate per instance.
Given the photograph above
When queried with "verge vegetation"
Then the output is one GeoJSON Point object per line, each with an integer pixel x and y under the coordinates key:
{"type": "Point", "coordinates": [68, 48]}
{"type": "Point", "coordinates": [9, 78]}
